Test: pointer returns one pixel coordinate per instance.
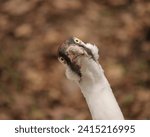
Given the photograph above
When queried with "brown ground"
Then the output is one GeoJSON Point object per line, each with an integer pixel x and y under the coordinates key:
{"type": "Point", "coordinates": [32, 81]}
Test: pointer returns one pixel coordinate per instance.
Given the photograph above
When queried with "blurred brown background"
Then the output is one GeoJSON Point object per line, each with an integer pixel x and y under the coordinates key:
{"type": "Point", "coordinates": [32, 81]}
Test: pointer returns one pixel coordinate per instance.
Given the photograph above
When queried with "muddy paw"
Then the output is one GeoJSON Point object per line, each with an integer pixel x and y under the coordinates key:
{"type": "Point", "coordinates": [74, 52]}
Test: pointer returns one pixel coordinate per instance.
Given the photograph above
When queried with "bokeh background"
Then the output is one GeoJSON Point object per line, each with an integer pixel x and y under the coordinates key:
{"type": "Point", "coordinates": [32, 81]}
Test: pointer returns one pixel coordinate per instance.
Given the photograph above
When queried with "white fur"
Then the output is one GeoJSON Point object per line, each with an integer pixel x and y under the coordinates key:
{"type": "Point", "coordinates": [97, 92]}
{"type": "Point", "coordinates": [69, 73]}
{"type": "Point", "coordinates": [72, 75]}
{"type": "Point", "coordinates": [94, 50]}
{"type": "Point", "coordinates": [95, 87]}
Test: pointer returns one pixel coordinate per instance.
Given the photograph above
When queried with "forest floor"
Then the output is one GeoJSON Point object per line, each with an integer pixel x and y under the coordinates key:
{"type": "Point", "coordinates": [32, 81]}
